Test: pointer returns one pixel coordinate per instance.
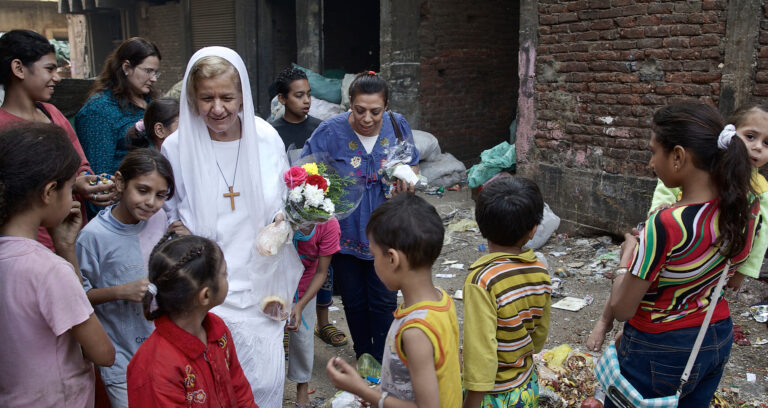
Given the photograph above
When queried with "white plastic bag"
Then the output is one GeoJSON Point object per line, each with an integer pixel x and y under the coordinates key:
{"type": "Point", "coordinates": [548, 225]}
{"type": "Point", "coordinates": [272, 237]}
{"type": "Point", "coordinates": [445, 171]}
{"type": "Point", "coordinates": [427, 145]}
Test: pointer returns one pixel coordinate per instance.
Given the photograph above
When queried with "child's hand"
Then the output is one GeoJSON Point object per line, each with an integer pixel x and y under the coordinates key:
{"type": "Point", "coordinates": [179, 228]}
{"type": "Point", "coordinates": [294, 320]}
{"type": "Point", "coordinates": [344, 377]}
{"type": "Point", "coordinates": [64, 235]}
{"type": "Point", "coordinates": [134, 291]}
{"type": "Point", "coordinates": [94, 193]}
{"type": "Point", "coordinates": [735, 281]}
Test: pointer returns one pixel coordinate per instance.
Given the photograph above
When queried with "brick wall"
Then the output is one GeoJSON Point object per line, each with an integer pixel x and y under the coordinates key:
{"type": "Point", "coordinates": [164, 26]}
{"type": "Point", "coordinates": [468, 76]}
{"type": "Point", "coordinates": [604, 66]}
{"type": "Point", "coordinates": [760, 90]}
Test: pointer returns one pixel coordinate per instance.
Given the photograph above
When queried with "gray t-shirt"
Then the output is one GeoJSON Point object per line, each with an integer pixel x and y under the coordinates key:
{"type": "Point", "coordinates": [296, 133]}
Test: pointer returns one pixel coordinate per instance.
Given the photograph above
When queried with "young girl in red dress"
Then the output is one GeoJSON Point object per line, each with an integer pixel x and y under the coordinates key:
{"type": "Point", "coordinates": [190, 358]}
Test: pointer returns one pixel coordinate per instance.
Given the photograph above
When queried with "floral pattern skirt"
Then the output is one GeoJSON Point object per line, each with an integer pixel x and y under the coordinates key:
{"type": "Point", "coordinates": [525, 396]}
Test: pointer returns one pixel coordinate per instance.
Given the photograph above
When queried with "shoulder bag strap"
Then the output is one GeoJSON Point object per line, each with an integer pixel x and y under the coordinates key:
{"type": "Point", "coordinates": [704, 326]}
{"type": "Point", "coordinates": [398, 133]}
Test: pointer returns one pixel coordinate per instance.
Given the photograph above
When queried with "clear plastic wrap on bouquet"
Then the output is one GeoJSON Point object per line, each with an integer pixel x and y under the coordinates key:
{"type": "Point", "coordinates": [397, 165]}
{"type": "Point", "coordinates": [317, 192]}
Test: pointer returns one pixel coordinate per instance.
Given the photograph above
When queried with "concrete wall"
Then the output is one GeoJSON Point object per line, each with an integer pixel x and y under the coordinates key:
{"type": "Point", "coordinates": [42, 17]}
{"type": "Point", "coordinates": [594, 71]}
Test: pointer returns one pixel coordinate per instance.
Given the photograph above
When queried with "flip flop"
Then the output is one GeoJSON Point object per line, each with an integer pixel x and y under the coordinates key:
{"type": "Point", "coordinates": [328, 332]}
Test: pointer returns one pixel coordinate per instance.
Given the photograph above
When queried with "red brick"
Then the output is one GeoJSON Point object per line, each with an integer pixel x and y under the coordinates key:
{"type": "Point", "coordinates": [587, 36]}
{"type": "Point", "coordinates": [600, 4]}
{"type": "Point", "coordinates": [676, 42]}
{"type": "Point", "coordinates": [763, 52]}
{"type": "Point", "coordinates": [705, 77]}
{"type": "Point", "coordinates": [712, 53]}
{"type": "Point", "coordinates": [761, 77]}
{"type": "Point", "coordinates": [668, 89]}
{"type": "Point", "coordinates": [625, 22]}
{"type": "Point", "coordinates": [601, 24]}
{"type": "Point", "coordinates": [703, 18]}
{"type": "Point", "coordinates": [609, 34]}
{"type": "Point", "coordinates": [697, 65]}
{"type": "Point", "coordinates": [573, 66]}
{"type": "Point", "coordinates": [705, 40]}
{"type": "Point", "coordinates": [578, 5]}
{"type": "Point", "coordinates": [760, 90]}
{"type": "Point", "coordinates": [685, 29]}
{"type": "Point", "coordinates": [632, 33]}
{"type": "Point", "coordinates": [624, 44]}
{"type": "Point", "coordinates": [660, 8]}
{"type": "Point", "coordinates": [545, 19]}
{"type": "Point", "coordinates": [679, 77]}
{"type": "Point", "coordinates": [567, 17]}
{"type": "Point", "coordinates": [657, 31]}
{"type": "Point", "coordinates": [684, 53]}
{"type": "Point", "coordinates": [674, 19]}
{"type": "Point", "coordinates": [713, 5]}
{"type": "Point", "coordinates": [649, 43]}
{"type": "Point", "coordinates": [697, 90]}
{"type": "Point", "coordinates": [717, 28]}
{"type": "Point", "coordinates": [648, 20]}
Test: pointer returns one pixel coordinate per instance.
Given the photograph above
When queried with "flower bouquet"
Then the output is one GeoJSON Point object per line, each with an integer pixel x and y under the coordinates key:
{"type": "Point", "coordinates": [316, 193]}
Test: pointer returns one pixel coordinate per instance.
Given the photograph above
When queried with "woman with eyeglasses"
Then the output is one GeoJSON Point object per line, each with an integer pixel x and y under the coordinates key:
{"type": "Point", "coordinates": [118, 100]}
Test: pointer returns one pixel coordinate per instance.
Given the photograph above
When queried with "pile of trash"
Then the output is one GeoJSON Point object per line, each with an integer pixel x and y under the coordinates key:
{"type": "Point", "coordinates": [566, 377]}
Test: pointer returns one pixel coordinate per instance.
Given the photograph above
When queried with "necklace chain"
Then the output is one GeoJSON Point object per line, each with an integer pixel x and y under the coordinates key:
{"type": "Point", "coordinates": [234, 176]}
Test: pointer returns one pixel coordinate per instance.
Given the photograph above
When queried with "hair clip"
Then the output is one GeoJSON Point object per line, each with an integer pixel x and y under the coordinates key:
{"type": "Point", "coordinates": [724, 139]}
{"type": "Point", "coordinates": [371, 73]}
{"type": "Point", "coordinates": [140, 125]}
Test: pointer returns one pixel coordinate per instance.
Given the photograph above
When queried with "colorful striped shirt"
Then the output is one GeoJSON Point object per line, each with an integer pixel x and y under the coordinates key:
{"type": "Point", "coordinates": [677, 254]}
{"type": "Point", "coordinates": [506, 320]}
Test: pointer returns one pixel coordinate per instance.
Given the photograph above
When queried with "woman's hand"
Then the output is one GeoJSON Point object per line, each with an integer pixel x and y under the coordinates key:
{"type": "Point", "coordinates": [134, 291]}
{"type": "Point", "coordinates": [64, 235]}
{"type": "Point", "coordinates": [402, 187]}
{"type": "Point", "coordinates": [95, 193]}
{"type": "Point", "coordinates": [735, 281]}
{"type": "Point", "coordinates": [178, 228]}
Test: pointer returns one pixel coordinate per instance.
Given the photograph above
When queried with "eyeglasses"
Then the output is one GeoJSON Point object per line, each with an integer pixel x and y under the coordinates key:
{"type": "Point", "coordinates": [151, 72]}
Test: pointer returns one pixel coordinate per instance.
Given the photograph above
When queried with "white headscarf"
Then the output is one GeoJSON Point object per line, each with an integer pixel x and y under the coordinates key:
{"type": "Point", "coordinates": [261, 158]}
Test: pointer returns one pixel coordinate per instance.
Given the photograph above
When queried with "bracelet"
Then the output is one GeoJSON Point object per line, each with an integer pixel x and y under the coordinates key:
{"type": "Point", "coordinates": [621, 271]}
{"type": "Point", "coordinates": [381, 400]}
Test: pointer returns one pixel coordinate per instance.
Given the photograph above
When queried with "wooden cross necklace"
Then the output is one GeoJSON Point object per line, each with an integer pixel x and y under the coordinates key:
{"type": "Point", "coordinates": [232, 194]}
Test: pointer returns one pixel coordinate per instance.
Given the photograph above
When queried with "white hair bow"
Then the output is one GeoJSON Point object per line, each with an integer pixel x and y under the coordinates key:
{"type": "Point", "coordinates": [729, 131]}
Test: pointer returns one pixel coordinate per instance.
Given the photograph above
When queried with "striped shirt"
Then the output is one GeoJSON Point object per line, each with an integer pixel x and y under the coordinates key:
{"type": "Point", "coordinates": [506, 319]}
{"type": "Point", "coordinates": [677, 254]}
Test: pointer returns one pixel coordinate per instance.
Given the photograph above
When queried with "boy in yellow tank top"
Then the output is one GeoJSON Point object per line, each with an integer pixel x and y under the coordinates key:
{"type": "Point", "coordinates": [421, 355]}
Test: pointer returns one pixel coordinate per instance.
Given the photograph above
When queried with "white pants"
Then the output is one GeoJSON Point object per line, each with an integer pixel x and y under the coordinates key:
{"type": "Point", "coordinates": [301, 347]}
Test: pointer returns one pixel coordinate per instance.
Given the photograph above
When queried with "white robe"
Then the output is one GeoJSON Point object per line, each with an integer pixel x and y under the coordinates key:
{"type": "Point", "coordinates": [199, 203]}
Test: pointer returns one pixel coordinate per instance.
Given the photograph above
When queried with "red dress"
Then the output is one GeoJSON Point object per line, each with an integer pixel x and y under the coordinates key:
{"type": "Point", "coordinates": [57, 118]}
{"type": "Point", "coordinates": [173, 368]}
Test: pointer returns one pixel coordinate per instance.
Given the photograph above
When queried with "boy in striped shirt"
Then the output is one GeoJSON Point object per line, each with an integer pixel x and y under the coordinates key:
{"type": "Point", "coordinates": [506, 299]}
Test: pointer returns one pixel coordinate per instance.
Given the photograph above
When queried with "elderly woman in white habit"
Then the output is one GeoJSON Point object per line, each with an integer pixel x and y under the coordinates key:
{"type": "Point", "coordinates": [228, 165]}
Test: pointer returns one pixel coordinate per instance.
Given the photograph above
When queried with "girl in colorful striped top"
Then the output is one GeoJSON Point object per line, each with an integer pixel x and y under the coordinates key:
{"type": "Point", "coordinates": [681, 254]}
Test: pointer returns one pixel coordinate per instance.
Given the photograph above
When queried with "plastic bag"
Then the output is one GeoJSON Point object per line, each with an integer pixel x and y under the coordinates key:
{"type": "Point", "coordinates": [328, 89]}
{"type": "Point", "coordinates": [272, 237]}
{"type": "Point", "coordinates": [275, 277]}
{"type": "Point", "coordinates": [401, 154]}
{"type": "Point", "coordinates": [317, 192]}
{"type": "Point", "coordinates": [445, 171]}
{"type": "Point", "coordinates": [548, 225]}
{"type": "Point", "coordinates": [492, 161]}
{"type": "Point", "coordinates": [427, 145]}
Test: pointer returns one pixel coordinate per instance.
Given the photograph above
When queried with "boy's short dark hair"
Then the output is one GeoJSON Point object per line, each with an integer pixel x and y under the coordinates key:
{"type": "Point", "coordinates": [408, 224]}
{"type": "Point", "coordinates": [507, 209]}
{"type": "Point", "coordinates": [285, 78]}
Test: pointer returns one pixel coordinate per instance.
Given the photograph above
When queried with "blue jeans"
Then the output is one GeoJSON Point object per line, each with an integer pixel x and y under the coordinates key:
{"type": "Point", "coordinates": [368, 304]}
{"type": "Point", "coordinates": [654, 362]}
{"type": "Point", "coordinates": [325, 294]}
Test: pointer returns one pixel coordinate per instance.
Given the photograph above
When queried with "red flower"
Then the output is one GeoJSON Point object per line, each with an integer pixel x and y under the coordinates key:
{"type": "Point", "coordinates": [318, 181]}
{"type": "Point", "coordinates": [294, 177]}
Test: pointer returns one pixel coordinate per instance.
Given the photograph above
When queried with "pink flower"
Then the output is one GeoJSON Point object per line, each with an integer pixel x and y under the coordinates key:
{"type": "Point", "coordinates": [295, 176]}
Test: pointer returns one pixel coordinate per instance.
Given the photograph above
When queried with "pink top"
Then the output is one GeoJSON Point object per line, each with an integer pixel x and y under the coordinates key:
{"type": "Point", "coordinates": [41, 364]}
{"type": "Point", "coordinates": [324, 242]}
{"type": "Point", "coordinates": [57, 118]}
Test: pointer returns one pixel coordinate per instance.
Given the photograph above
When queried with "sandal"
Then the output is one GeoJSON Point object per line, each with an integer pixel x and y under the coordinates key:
{"type": "Point", "coordinates": [328, 333]}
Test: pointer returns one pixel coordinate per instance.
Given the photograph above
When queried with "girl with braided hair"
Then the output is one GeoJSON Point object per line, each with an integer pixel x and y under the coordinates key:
{"type": "Point", "coordinates": [113, 252]}
{"type": "Point", "coordinates": [190, 357]}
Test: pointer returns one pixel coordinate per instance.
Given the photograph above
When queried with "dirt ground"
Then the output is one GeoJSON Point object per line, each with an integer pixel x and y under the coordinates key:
{"type": "Point", "coordinates": [578, 262]}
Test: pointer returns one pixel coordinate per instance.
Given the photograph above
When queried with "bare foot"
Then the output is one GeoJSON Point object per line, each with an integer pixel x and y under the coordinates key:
{"type": "Point", "coordinates": [597, 337]}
